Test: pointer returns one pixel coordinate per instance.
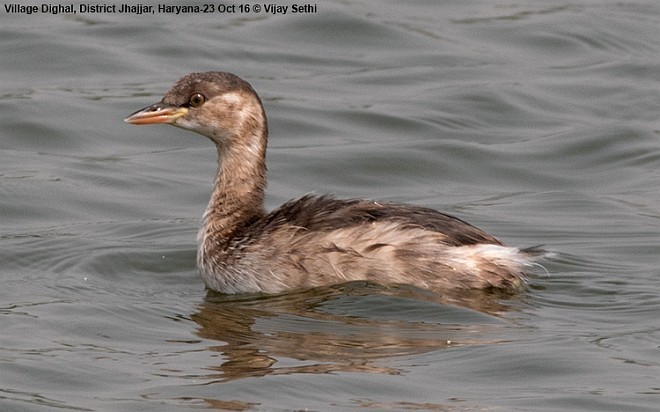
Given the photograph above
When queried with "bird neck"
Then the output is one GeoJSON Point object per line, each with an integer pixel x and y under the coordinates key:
{"type": "Point", "coordinates": [238, 192]}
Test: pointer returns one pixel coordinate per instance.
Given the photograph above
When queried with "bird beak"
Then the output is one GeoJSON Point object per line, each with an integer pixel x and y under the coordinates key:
{"type": "Point", "coordinates": [159, 113]}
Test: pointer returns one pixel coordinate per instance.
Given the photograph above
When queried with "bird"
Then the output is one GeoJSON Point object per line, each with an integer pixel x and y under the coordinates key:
{"type": "Point", "coordinates": [316, 240]}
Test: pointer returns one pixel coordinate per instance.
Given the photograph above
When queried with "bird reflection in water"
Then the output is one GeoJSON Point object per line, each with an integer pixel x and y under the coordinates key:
{"type": "Point", "coordinates": [306, 332]}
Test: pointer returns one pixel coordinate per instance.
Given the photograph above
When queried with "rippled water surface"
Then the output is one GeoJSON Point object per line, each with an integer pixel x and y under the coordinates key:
{"type": "Point", "coordinates": [535, 120]}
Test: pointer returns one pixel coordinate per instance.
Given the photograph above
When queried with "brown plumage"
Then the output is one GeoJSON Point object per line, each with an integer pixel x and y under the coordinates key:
{"type": "Point", "coordinates": [315, 240]}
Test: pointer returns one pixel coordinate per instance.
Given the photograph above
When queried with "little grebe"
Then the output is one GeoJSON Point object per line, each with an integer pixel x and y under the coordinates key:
{"type": "Point", "coordinates": [315, 240]}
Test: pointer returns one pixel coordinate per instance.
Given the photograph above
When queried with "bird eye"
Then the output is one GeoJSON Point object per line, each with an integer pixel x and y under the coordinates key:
{"type": "Point", "coordinates": [196, 99]}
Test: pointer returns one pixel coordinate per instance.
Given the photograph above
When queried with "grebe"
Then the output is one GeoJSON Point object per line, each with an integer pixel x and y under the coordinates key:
{"type": "Point", "coordinates": [315, 240]}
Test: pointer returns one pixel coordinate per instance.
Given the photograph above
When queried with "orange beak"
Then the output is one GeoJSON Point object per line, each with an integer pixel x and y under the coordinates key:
{"type": "Point", "coordinates": [158, 113]}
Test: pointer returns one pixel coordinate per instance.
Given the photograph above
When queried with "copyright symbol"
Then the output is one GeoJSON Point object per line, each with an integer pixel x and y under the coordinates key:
{"type": "Point", "coordinates": [256, 8]}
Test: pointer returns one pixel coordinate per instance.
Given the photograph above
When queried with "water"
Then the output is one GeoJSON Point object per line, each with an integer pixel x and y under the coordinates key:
{"type": "Point", "coordinates": [535, 121]}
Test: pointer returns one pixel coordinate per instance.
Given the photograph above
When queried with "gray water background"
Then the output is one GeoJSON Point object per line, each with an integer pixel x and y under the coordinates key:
{"type": "Point", "coordinates": [535, 120]}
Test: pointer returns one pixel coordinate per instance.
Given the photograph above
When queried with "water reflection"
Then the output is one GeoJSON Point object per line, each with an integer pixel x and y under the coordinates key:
{"type": "Point", "coordinates": [348, 327]}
